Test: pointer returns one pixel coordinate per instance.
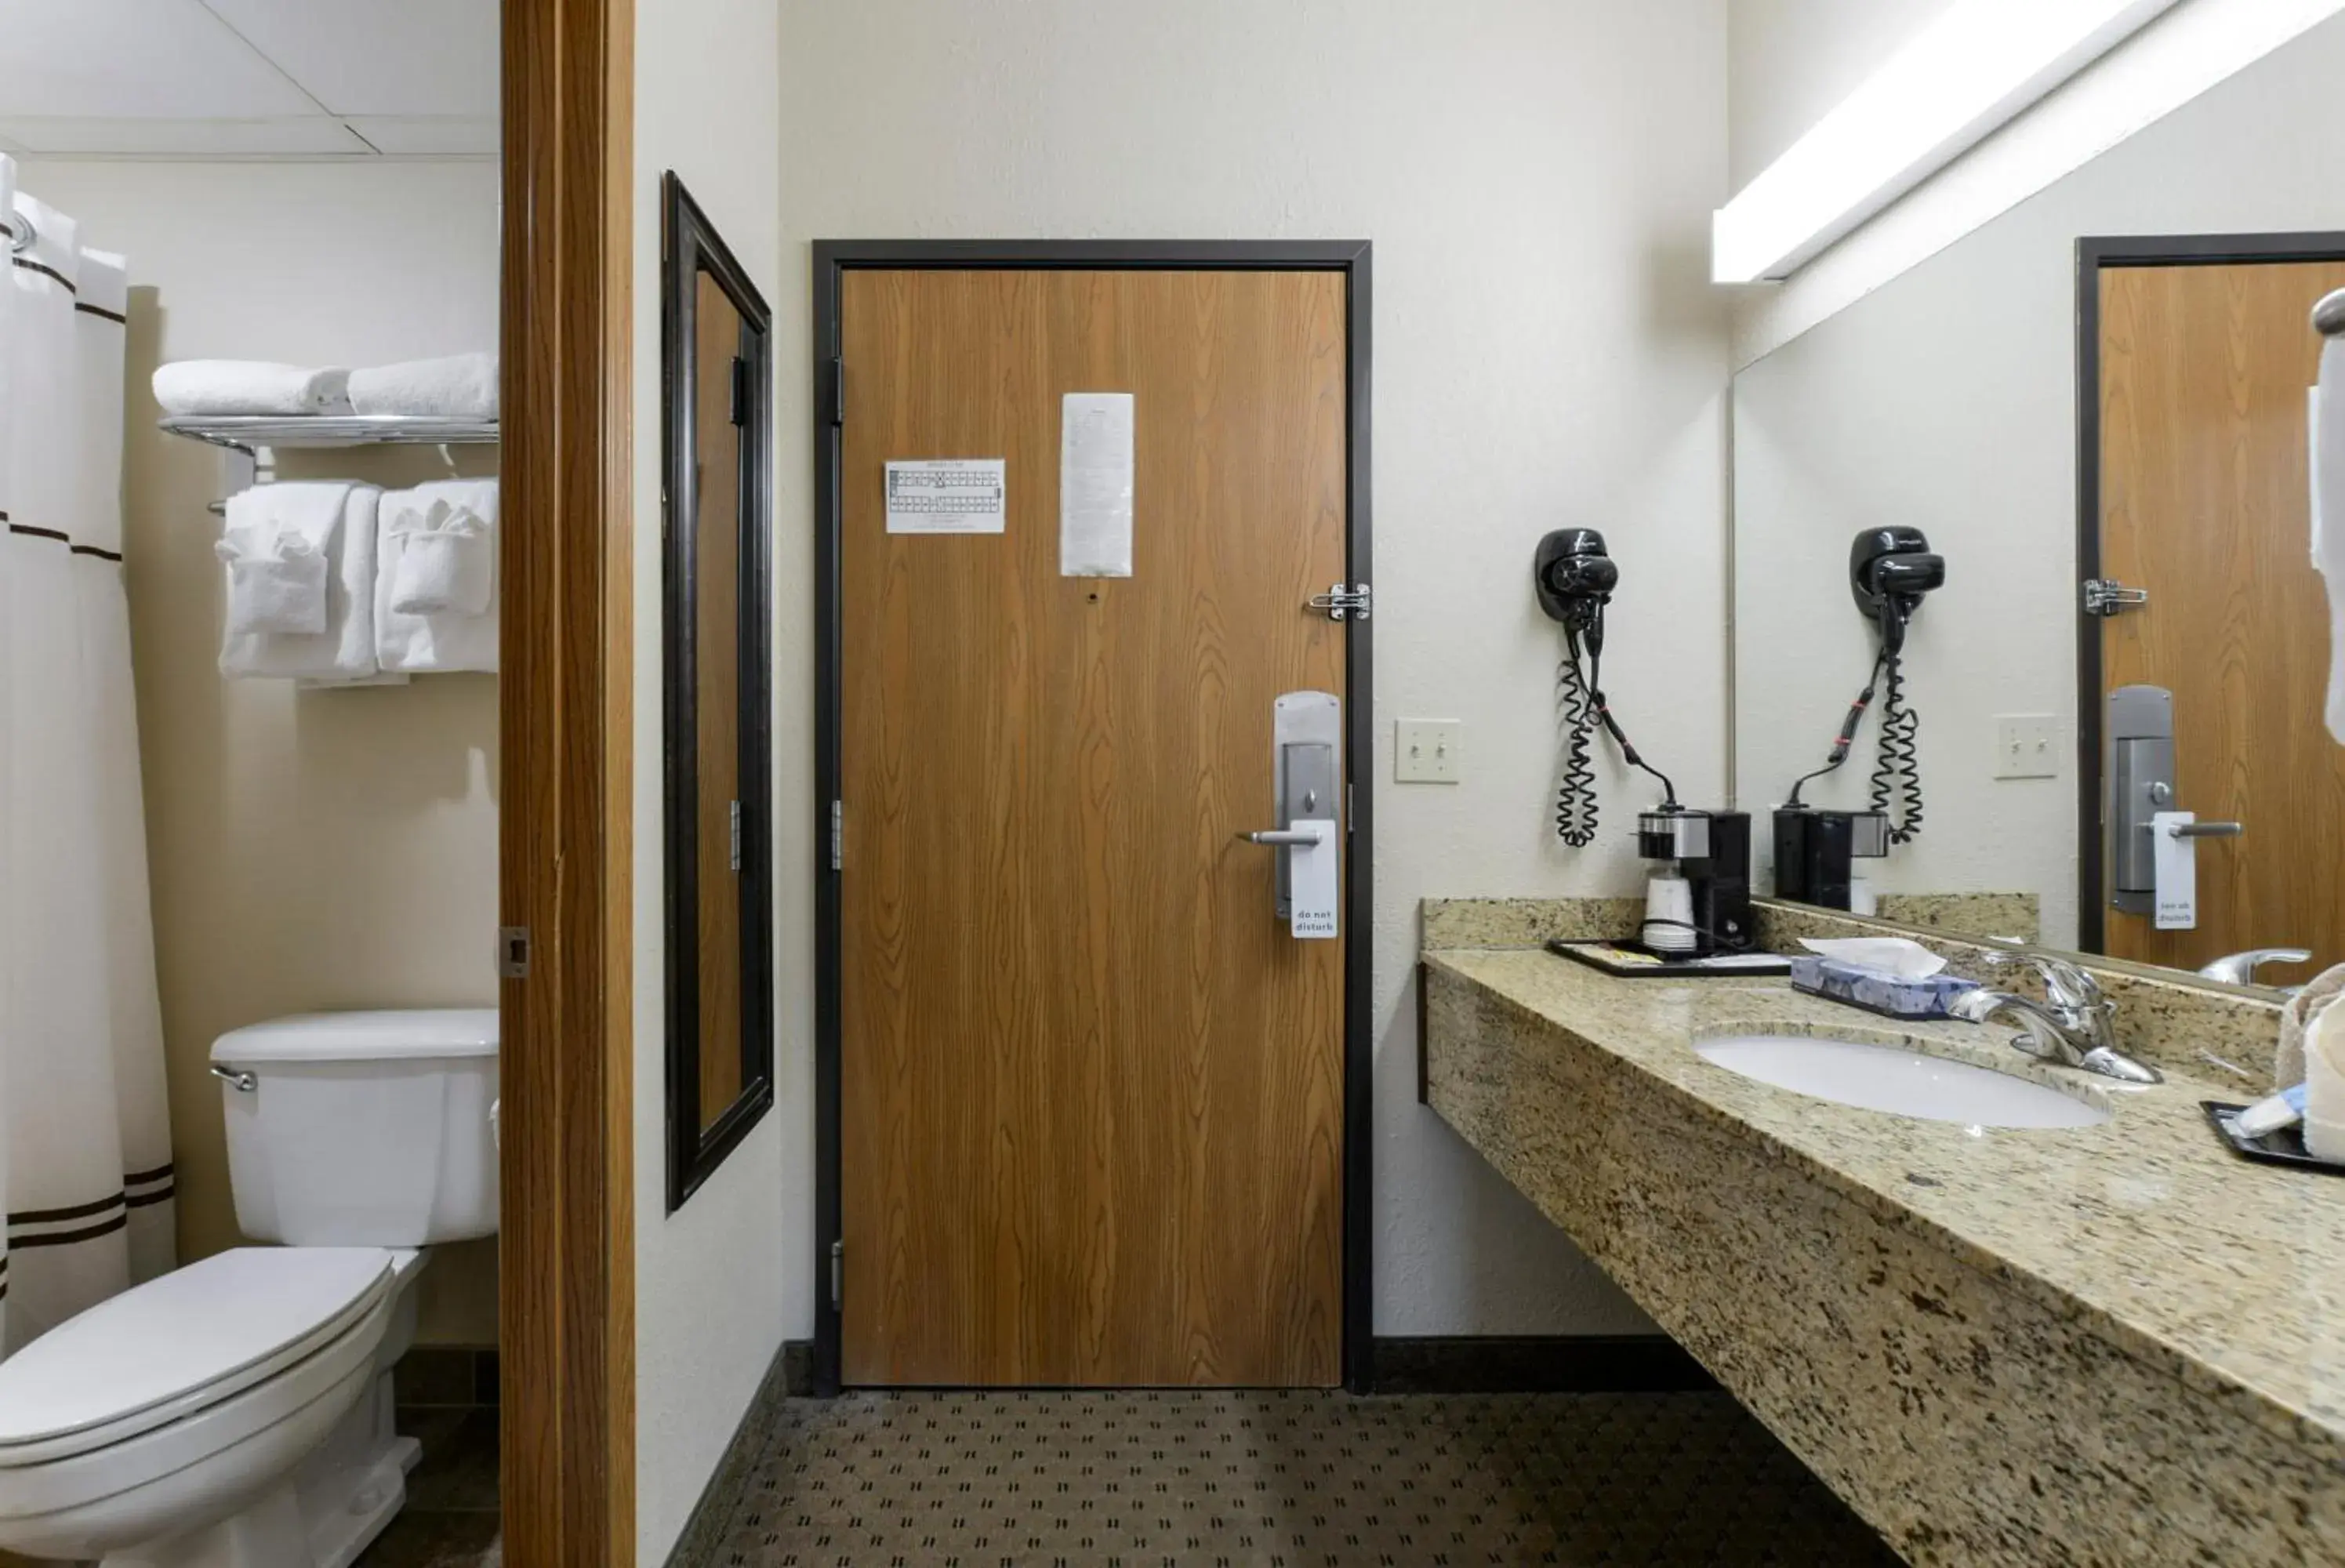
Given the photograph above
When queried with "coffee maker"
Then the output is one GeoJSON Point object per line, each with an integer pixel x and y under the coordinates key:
{"type": "Point", "coordinates": [1816, 852]}
{"type": "Point", "coordinates": [1698, 903]}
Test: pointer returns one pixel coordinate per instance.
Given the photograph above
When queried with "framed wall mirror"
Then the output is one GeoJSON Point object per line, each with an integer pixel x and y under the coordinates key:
{"type": "Point", "coordinates": [717, 347]}
{"type": "Point", "coordinates": [2093, 411]}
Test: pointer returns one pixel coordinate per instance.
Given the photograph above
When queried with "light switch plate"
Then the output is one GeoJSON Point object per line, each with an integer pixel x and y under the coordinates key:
{"type": "Point", "coordinates": [1425, 751]}
{"type": "Point", "coordinates": [2025, 746]}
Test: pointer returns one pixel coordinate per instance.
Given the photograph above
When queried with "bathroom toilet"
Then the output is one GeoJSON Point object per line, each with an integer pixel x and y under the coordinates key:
{"type": "Point", "coordinates": [236, 1412]}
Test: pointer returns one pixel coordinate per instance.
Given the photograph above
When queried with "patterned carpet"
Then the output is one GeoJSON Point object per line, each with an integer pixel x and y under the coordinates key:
{"type": "Point", "coordinates": [1286, 1479]}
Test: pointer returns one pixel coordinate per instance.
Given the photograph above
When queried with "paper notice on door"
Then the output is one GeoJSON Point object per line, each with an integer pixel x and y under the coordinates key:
{"type": "Point", "coordinates": [1311, 884]}
{"type": "Point", "coordinates": [2174, 872]}
{"type": "Point", "coordinates": [1095, 485]}
{"type": "Point", "coordinates": [950, 495]}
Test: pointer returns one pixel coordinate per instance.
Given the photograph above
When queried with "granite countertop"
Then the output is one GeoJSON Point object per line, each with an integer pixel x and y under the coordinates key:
{"type": "Point", "coordinates": [2143, 1231]}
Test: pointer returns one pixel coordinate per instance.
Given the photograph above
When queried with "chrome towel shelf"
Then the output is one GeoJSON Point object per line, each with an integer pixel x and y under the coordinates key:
{"type": "Point", "coordinates": [247, 433]}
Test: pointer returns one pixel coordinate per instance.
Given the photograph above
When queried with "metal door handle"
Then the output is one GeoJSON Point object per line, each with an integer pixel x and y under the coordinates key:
{"type": "Point", "coordinates": [2207, 829]}
{"type": "Point", "coordinates": [1280, 835]}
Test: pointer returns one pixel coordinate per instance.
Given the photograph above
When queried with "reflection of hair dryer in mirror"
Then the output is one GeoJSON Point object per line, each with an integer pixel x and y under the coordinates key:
{"type": "Point", "coordinates": [1890, 571]}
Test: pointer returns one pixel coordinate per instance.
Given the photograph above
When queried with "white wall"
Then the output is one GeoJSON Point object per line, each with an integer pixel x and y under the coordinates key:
{"type": "Point", "coordinates": [718, 1283]}
{"type": "Point", "coordinates": [1536, 177]}
{"type": "Point", "coordinates": [1790, 62]}
{"type": "Point", "coordinates": [309, 850]}
{"type": "Point", "coordinates": [1948, 401]}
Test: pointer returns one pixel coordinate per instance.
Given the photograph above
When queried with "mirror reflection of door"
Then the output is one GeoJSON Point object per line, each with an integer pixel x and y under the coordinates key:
{"type": "Point", "coordinates": [2205, 504]}
{"type": "Point", "coordinates": [717, 615]}
{"type": "Point", "coordinates": [717, 416]}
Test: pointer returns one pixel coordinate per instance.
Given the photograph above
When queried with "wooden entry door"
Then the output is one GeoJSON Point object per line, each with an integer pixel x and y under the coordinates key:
{"type": "Point", "coordinates": [2205, 503]}
{"type": "Point", "coordinates": [1091, 1094]}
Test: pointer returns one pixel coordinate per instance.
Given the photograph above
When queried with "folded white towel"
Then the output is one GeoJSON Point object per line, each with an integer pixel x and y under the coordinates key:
{"type": "Point", "coordinates": [344, 651]}
{"type": "Point", "coordinates": [250, 387]}
{"type": "Point", "coordinates": [274, 585]}
{"type": "Point", "coordinates": [447, 560]}
{"type": "Point", "coordinates": [462, 387]}
{"type": "Point", "coordinates": [438, 641]}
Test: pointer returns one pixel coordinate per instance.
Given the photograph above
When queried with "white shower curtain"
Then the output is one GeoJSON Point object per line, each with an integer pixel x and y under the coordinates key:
{"type": "Point", "coordinates": [85, 1136]}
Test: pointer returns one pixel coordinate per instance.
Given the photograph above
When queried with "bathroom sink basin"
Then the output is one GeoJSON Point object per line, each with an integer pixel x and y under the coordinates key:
{"type": "Point", "coordinates": [1902, 1082]}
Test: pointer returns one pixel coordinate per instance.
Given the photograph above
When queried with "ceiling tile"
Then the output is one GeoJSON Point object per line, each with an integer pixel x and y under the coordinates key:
{"type": "Point", "coordinates": [182, 138]}
{"type": "Point", "coordinates": [114, 59]}
{"type": "Point", "coordinates": [397, 57]}
{"type": "Point", "coordinates": [443, 136]}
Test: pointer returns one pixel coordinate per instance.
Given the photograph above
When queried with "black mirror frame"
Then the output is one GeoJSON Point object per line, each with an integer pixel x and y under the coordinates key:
{"type": "Point", "coordinates": [689, 247]}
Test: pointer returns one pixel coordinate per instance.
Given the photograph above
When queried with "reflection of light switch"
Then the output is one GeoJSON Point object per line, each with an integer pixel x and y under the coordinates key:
{"type": "Point", "coordinates": [2025, 747]}
{"type": "Point", "coordinates": [1425, 751]}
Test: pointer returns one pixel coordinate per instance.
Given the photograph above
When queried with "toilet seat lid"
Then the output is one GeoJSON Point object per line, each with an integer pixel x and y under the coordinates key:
{"type": "Point", "coordinates": [182, 1341]}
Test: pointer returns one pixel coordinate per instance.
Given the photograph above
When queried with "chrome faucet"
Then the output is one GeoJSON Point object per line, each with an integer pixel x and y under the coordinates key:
{"type": "Point", "coordinates": [2240, 968]}
{"type": "Point", "coordinates": [2072, 1027]}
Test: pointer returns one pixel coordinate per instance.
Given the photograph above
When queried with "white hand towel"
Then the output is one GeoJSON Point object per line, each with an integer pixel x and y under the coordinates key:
{"type": "Point", "coordinates": [461, 387]}
{"type": "Point", "coordinates": [447, 560]}
{"type": "Point", "coordinates": [250, 387]}
{"type": "Point", "coordinates": [2328, 515]}
{"type": "Point", "coordinates": [442, 642]}
{"type": "Point", "coordinates": [274, 585]}
{"type": "Point", "coordinates": [344, 650]}
{"type": "Point", "coordinates": [2324, 1086]}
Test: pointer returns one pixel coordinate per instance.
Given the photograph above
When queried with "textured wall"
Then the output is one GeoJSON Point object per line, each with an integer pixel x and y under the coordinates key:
{"type": "Point", "coordinates": [710, 1304]}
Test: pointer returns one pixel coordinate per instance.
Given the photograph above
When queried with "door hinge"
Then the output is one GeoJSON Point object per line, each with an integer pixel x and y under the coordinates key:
{"type": "Point", "coordinates": [513, 952]}
{"type": "Point", "coordinates": [2107, 596]}
{"type": "Point", "coordinates": [837, 836]}
{"type": "Point", "coordinates": [740, 390]}
{"type": "Point", "coordinates": [838, 399]}
{"type": "Point", "coordinates": [1341, 603]}
{"type": "Point", "coordinates": [837, 1275]}
{"type": "Point", "coordinates": [732, 813]}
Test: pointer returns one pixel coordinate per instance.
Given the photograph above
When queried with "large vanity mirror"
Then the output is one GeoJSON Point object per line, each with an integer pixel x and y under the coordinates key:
{"type": "Point", "coordinates": [2046, 498]}
{"type": "Point", "coordinates": [717, 375]}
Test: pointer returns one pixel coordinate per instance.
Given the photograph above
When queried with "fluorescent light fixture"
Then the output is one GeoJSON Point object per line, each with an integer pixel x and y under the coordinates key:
{"type": "Point", "coordinates": [1966, 73]}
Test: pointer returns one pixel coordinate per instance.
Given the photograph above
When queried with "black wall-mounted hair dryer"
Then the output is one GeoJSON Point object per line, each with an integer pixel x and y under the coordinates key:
{"type": "Point", "coordinates": [1574, 579]}
{"type": "Point", "coordinates": [1889, 570]}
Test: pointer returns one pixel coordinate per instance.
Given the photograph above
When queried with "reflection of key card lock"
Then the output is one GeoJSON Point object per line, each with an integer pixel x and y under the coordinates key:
{"type": "Point", "coordinates": [1306, 738]}
{"type": "Point", "coordinates": [2140, 768]}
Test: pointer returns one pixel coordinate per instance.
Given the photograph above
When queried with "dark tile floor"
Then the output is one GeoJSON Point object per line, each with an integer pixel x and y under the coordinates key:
{"type": "Point", "coordinates": [1284, 1481]}
{"type": "Point", "coordinates": [451, 1517]}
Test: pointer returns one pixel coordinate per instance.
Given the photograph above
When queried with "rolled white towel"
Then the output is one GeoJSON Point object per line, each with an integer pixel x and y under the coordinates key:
{"type": "Point", "coordinates": [274, 584]}
{"type": "Point", "coordinates": [461, 387]}
{"type": "Point", "coordinates": [343, 650]}
{"type": "Point", "coordinates": [250, 387]}
{"type": "Point", "coordinates": [447, 560]}
{"type": "Point", "coordinates": [437, 641]}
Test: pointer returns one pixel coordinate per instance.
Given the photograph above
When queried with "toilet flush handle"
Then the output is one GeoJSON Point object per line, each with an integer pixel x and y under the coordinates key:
{"type": "Point", "coordinates": [233, 1080]}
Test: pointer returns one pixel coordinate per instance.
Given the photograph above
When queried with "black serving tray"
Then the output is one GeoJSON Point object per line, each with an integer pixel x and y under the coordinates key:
{"type": "Point", "coordinates": [1631, 962]}
{"type": "Point", "coordinates": [2285, 1147]}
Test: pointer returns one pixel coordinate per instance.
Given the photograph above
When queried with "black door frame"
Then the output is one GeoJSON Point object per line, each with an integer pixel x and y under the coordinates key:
{"type": "Point", "coordinates": [832, 261]}
{"type": "Point", "coordinates": [2094, 253]}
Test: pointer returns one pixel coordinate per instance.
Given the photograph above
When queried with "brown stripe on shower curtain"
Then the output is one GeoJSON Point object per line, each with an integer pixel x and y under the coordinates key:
{"type": "Point", "coordinates": [65, 282]}
{"type": "Point", "coordinates": [113, 316]}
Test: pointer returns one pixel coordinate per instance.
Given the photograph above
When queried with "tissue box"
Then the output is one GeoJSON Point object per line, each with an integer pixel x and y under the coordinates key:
{"type": "Point", "coordinates": [1895, 995]}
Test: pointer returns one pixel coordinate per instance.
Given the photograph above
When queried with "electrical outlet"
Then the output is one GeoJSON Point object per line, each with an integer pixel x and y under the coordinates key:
{"type": "Point", "coordinates": [2025, 747]}
{"type": "Point", "coordinates": [1425, 751]}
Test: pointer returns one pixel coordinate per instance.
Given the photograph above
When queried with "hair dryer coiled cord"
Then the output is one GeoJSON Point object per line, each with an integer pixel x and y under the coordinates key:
{"type": "Point", "coordinates": [1575, 797]}
{"type": "Point", "coordinates": [1897, 776]}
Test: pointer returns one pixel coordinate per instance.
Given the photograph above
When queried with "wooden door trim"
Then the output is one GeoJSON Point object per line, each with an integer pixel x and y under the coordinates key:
{"type": "Point", "coordinates": [566, 798]}
{"type": "Point", "coordinates": [2094, 253]}
{"type": "Point", "coordinates": [832, 260]}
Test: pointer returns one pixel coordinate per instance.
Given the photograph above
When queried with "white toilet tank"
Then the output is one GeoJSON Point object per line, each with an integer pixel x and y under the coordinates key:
{"type": "Point", "coordinates": [363, 1130]}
